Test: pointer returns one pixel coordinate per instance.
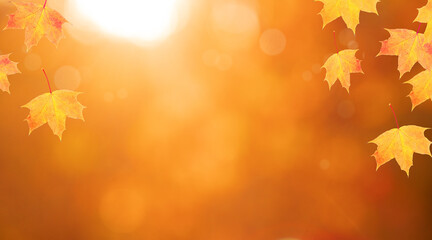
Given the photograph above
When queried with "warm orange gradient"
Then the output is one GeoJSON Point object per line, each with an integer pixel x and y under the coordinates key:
{"type": "Point", "coordinates": [224, 130]}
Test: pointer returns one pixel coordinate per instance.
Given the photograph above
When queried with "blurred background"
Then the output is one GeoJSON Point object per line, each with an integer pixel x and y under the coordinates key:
{"type": "Point", "coordinates": [210, 120]}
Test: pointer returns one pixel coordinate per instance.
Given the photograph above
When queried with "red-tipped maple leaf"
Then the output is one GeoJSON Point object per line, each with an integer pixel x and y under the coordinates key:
{"type": "Point", "coordinates": [38, 21]}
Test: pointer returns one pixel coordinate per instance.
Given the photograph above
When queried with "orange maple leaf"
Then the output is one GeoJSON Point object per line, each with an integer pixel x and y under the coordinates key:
{"type": "Point", "coordinates": [340, 65]}
{"type": "Point", "coordinates": [53, 108]}
{"type": "Point", "coordinates": [37, 20]}
{"type": "Point", "coordinates": [7, 67]}
{"type": "Point", "coordinates": [410, 46]}
{"type": "Point", "coordinates": [422, 88]}
{"type": "Point", "coordinates": [400, 143]}
{"type": "Point", "coordinates": [349, 10]}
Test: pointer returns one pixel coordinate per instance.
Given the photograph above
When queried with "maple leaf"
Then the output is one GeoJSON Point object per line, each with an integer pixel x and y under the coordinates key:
{"type": "Point", "coordinates": [7, 67]}
{"type": "Point", "coordinates": [410, 48]}
{"type": "Point", "coordinates": [400, 144]}
{"type": "Point", "coordinates": [422, 88]}
{"type": "Point", "coordinates": [37, 20]}
{"type": "Point", "coordinates": [425, 16]}
{"type": "Point", "coordinates": [339, 66]}
{"type": "Point", "coordinates": [53, 108]}
{"type": "Point", "coordinates": [349, 10]}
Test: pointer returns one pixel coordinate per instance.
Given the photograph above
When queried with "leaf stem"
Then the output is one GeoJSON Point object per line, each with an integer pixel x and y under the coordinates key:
{"type": "Point", "coordinates": [46, 77]}
{"type": "Point", "coordinates": [335, 42]}
{"type": "Point", "coordinates": [45, 3]}
{"type": "Point", "coordinates": [394, 114]}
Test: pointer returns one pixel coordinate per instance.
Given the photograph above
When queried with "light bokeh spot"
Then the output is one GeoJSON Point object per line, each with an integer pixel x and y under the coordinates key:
{"type": "Point", "coordinates": [236, 25]}
{"type": "Point", "coordinates": [324, 164]}
{"type": "Point", "coordinates": [272, 42]}
{"type": "Point", "coordinates": [345, 109]}
{"type": "Point", "coordinates": [307, 76]}
{"type": "Point", "coordinates": [353, 44]}
{"type": "Point", "coordinates": [32, 62]}
{"type": "Point", "coordinates": [67, 77]}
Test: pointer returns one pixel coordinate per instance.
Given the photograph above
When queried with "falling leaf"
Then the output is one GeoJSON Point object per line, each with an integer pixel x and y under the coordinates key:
{"type": "Point", "coordinates": [401, 143]}
{"type": "Point", "coordinates": [425, 16]}
{"type": "Point", "coordinates": [422, 88]}
{"type": "Point", "coordinates": [7, 67]}
{"type": "Point", "coordinates": [340, 65]}
{"type": "Point", "coordinates": [409, 46]}
{"type": "Point", "coordinates": [349, 10]}
{"type": "Point", "coordinates": [53, 108]}
{"type": "Point", "coordinates": [37, 20]}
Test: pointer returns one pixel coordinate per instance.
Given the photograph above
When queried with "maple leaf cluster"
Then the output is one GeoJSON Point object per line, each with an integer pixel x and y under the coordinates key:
{"type": "Point", "coordinates": [411, 47]}
{"type": "Point", "coordinates": [39, 21]}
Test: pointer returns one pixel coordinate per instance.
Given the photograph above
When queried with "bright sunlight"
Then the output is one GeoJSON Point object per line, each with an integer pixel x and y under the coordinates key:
{"type": "Point", "coordinates": [147, 20]}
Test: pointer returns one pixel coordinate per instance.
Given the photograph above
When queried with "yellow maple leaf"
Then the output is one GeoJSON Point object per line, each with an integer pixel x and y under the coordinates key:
{"type": "Point", "coordinates": [422, 88]}
{"type": "Point", "coordinates": [340, 65]}
{"type": "Point", "coordinates": [7, 67]}
{"type": "Point", "coordinates": [425, 16]}
{"type": "Point", "coordinates": [37, 20]}
{"type": "Point", "coordinates": [349, 10]}
{"type": "Point", "coordinates": [401, 143]}
{"type": "Point", "coordinates": [53, 108]}
{"type": "Point", "coordinates": [409, 46]}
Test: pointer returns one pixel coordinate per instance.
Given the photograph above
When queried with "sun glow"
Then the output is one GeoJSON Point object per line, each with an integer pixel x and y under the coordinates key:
{"type": "Point", "coordinates": [147, 20]}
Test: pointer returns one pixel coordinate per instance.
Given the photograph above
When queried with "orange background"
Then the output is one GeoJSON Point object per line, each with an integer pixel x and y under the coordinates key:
{"type": "Point", "coordinates": [176, 146]}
